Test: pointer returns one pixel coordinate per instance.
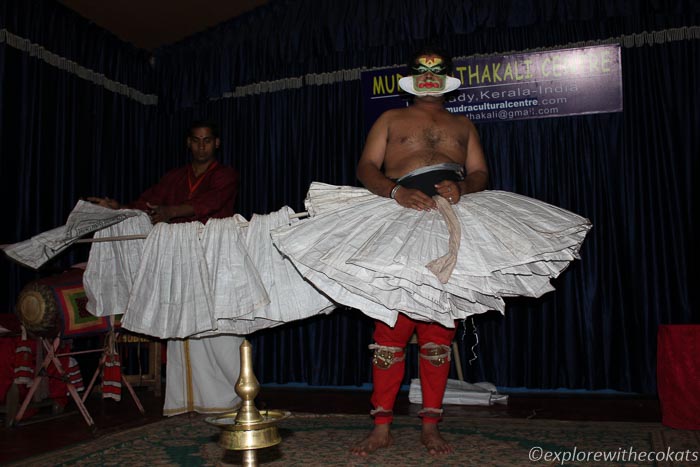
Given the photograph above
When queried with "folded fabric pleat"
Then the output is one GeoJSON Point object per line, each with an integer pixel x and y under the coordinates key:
{"type": "Point", "coordinates": [291, 297]}
{"type": "Point", "coordinates": [112, 266]}
{"type": "Point", "coordinates": [370, 253]}
{"type": "Point", "coordinates": [171, 296]}
{"type": "Point", "coordinates": [236, 285]}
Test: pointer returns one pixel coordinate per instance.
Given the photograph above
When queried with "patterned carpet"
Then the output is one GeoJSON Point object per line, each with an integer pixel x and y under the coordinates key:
{"type": "Point", "coordinates": [323, 440]}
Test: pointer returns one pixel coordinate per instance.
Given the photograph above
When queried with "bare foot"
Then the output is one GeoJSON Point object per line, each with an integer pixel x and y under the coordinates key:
{"type": "Point", "coordinates": [433, 441]}
{"type": "Point", "coordinates": [380, 437]}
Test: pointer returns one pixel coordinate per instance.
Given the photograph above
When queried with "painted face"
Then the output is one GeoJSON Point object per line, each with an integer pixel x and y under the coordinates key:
{"type": "Point", "coordinates": [429, 75]}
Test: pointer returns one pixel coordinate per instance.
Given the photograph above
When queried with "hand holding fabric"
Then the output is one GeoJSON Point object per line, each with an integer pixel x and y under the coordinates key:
{"type": "Point", "coordinates": [414, 199]}
{"type": "Point", "coordinates": [159, 213]}
{"type": "Point", "coordinates": [105, 202]}
{"type": "Point", "coordinates": [449, 190]}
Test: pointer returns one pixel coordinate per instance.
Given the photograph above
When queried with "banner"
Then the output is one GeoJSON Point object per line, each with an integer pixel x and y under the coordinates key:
{"type": "Point", "coordinates": [555, 83]}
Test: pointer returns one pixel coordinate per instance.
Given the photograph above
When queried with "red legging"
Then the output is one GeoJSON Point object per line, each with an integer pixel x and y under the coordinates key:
{"type": "Point", "coordinates": [387, 382]}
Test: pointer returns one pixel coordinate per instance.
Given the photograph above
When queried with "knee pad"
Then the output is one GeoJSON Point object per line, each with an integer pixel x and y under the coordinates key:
{"type": "Point", "coordinates": [384, 356]}
{"type": "Point", "coordinates": [437, 354]}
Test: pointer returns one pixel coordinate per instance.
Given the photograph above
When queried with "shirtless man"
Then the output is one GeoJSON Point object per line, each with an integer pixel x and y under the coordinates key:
{"type": "Point", "coordinates": [418, 137]}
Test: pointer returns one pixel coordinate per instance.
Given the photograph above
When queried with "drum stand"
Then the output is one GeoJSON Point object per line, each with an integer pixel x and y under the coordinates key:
{"type": "Point", "coordinates": [53, 358]}
{"type": "Point", "coordinates": [109, 348]}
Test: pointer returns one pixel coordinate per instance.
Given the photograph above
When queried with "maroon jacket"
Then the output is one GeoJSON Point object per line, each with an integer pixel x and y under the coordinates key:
{"type": "Point", "coordinates": [212, 194]}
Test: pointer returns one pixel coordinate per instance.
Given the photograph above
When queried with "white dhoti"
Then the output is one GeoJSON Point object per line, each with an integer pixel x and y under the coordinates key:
{"type": "Point", "coordinates": [201, 375]}
{"type": "Point", "coordinates": [369, 253]}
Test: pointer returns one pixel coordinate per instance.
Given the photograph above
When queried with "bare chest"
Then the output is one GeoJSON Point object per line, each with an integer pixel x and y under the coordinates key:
{"type": "Point", "coordinates": [441, 136]}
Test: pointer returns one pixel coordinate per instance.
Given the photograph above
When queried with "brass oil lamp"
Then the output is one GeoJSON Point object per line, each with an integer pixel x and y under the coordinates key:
{"type": "Point", "coordinates": [246, 429]}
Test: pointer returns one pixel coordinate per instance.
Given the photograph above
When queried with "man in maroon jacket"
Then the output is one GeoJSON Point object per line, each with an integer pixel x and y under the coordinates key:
{"type": "Point", "coordinates": [200, 373]}
{"type": "Point", "coordinates": [197, 191]}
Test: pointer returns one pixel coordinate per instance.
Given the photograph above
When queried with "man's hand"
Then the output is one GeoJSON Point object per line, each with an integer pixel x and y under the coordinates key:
{"type": "Point", "coordinates": [160, 213]}
{"type": "Point", "coordinates": [414, 199]}
{"type": "Point", "coordinates": [105, 202]}
{"type": "Point", "coordinates": [449, 190]}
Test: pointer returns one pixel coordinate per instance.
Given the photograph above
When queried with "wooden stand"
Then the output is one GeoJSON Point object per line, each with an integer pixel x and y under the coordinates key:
{"type": "Point", "coordinates": [51, 358]}
{"type": "Point", "coordinates": [152, 378]}
{"type": "Point", "coordinates": [51, 345]}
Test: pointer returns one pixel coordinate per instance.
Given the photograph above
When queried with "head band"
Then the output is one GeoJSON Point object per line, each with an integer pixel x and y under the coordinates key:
{"type": "Point", "coordinates": [437, 69]}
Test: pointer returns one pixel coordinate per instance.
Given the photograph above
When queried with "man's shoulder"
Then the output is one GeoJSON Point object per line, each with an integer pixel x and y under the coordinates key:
{"type": "Point", "coordinates": [399, 111]}
{"type": "Point", "coordinates": [221, 167]}
{"type": "Point", "coordinates": [457, 119]}
{"type": "Point", "coordinates": [391, 116]}
{"type": "Point", "coordinates": [175, 172]}
{"type": "Point", "coordinates": [222, 171]}
{"type": "Point", "coordinates": [408, 113]}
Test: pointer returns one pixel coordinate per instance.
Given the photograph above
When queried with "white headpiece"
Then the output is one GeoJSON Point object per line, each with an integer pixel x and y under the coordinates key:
{"type": "Point", "coordinates": [406, 83]}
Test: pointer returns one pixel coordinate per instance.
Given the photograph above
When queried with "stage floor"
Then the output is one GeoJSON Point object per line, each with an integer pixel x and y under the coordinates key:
{"type": "Point", "coordinates": [70, 428]}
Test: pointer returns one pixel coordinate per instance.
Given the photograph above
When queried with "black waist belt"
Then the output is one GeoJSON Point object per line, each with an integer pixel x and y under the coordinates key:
{"type": "Point", "coordinates": [425, 180]}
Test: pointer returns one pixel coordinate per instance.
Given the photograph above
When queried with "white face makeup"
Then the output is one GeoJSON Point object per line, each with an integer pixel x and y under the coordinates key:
{"type": "Point", "coordinates": [429, 78]}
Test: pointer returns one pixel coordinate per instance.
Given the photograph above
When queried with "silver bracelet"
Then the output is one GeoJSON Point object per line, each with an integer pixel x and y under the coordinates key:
{"type": "Point", "coordinates": [392, 195]}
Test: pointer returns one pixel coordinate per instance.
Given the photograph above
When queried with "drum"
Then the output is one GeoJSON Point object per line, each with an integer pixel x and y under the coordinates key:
{"type": "Point", "coordinates": [56, 305]}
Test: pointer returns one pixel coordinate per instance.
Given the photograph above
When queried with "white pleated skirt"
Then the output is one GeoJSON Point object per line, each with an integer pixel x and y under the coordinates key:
{"type": "Point", "coordinates": [369, 253]}
{"type": "Point", "coordinates": [291, 297]}
{"type": "Point", "coordinates": [171, 296]}
{"type": "Point", "coordinates": [112, 266]}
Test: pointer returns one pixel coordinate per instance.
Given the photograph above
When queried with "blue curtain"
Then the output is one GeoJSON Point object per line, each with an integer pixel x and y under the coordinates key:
{"type": "Point", "coordinates": [71, 37]}
{"type": "Point", "coordinates": [287, 38]}
{"type": "Point", "coordinates": [63, 137]}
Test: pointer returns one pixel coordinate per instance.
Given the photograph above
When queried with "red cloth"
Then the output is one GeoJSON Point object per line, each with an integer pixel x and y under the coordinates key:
{"type": "Point", "coordinates": [678, 375]}
{"type": "Point", "coordinates": [387, 382]}
{"type": "Point", "coordinates": [213, 196]}
{"type": "Point", "coordinates": [8, 351]}
{"type": "Point", "coordinates": [58, 391]}
{"type": "Point", "coordinates": [111, 378]}
{"type": "Point", "coordinates": [7, 365]}
{"type": "Point", "coordinates": [24, 361]}
{"type": "Point", "coordinates": [18, 359]}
